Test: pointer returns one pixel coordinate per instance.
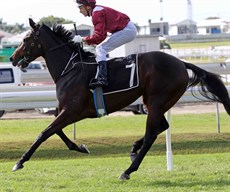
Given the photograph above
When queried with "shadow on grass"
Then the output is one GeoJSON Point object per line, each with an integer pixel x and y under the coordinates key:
{"type": "Point", "coordinates": [191, 184]}
{"type": "Point", "coordinates": [104, 147]}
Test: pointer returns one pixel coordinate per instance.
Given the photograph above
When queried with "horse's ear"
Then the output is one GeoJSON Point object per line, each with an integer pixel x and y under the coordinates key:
{"type": "Point", "coordinates": [33, 24]}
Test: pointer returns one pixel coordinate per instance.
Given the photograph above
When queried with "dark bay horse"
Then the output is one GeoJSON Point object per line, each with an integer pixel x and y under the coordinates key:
{"type": "Point", "coordinates": [163, 80]}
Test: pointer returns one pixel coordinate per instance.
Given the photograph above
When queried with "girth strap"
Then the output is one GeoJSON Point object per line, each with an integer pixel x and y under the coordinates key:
{"type": "Point", "coordinates": [99, 102]}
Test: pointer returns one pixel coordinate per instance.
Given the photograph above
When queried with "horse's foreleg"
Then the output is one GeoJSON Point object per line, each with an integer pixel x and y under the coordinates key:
{"type": "Point", "coordinates": [71, 145]}
{"type": "Point", "coordinates": [58, 124]}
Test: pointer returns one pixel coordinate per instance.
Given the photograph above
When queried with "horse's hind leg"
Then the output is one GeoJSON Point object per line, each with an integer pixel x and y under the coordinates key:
{"type": "Point", "coordinates": [138, 144]}
{"type": "Point", "coordinates": [71, 145]}
{"type": "Point", "coordinates": [163, 125]}
{"type": "Point", "coordinates": [153, 123]}
{"type": "Point", "coordinates": [156, 123]}
{"type": "Point", "coordinates": [136, 147]}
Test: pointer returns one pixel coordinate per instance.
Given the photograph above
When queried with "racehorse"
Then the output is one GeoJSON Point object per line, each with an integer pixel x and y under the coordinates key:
{"type": "Point", "coordinates": [163, 79]}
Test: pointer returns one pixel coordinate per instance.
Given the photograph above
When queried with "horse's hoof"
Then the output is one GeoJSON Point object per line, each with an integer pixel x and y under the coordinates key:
{"type": "Point", "coordinates": [133, 156]}
{"type": "Point", "coordinates": [84, 149]}
{"type": "Point", "coordinates": [17, 167]}
{"type": "Point", "coordinates": [124, 177]}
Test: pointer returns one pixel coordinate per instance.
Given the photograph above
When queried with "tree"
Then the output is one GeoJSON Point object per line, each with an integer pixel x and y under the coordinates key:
{"type": "Point", "coordinates": [19, 28]}
{"type": "Point", "coordinates": [14, 29]}
{"type": "Point", "coordinates": [51, 20]}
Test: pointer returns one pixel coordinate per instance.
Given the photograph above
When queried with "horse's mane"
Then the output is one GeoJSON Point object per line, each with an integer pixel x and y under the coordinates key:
{"type": "Point", "coordinates": [66, 36]}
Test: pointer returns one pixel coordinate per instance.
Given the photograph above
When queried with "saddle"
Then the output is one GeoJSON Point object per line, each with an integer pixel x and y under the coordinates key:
{"type": "Point", "coordinates": [122, 74]}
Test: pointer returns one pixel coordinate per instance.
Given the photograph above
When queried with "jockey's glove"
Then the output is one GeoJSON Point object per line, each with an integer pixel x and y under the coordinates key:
{"type": "Point", "coordinates": [77, 39]}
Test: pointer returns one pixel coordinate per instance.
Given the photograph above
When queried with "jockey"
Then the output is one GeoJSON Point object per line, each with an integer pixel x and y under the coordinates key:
{"type": "Point", "coordinates": [105, 20]}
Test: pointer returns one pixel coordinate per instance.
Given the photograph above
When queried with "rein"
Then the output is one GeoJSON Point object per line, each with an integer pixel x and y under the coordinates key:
{"type": "Point", "coordinates": [58, 46]}
{"type": "Point", "coordinates": [65, 71]}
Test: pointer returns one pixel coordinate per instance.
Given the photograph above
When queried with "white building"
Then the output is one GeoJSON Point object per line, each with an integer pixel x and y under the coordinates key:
{"type": "Point", "coordinates": [212, 26]}
{"type": "Point", "coordinates": [184, 27]}
{"type": "Point", "coordinates": [142, 43]}
{"type": "Point", "coordinates": [203, 27]}
{"type": "Point", "coordinates": [82, 29]}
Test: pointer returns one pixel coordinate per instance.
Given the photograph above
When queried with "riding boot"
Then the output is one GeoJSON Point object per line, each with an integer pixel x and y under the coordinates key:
{"type": "Point", "coordinates": [101, 80]}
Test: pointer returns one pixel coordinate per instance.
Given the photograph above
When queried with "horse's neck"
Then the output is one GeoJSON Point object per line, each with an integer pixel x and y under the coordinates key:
{"type": "Point", "coordinates": [56, 61]}
{"type": "Point", "coordinates": [55, 57]}
{"type": "Point", "coordinates": [56, 65]}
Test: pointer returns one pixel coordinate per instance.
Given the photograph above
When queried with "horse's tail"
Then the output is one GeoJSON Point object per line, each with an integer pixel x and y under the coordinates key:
{"type": "Point", "coordinates": [211, 85]}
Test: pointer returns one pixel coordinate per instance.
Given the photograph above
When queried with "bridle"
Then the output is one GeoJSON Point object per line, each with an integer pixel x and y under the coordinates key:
{"type": "Point", "coordinates": [36, 43]}
{"type": "Point", "coordinates": [33, 44]}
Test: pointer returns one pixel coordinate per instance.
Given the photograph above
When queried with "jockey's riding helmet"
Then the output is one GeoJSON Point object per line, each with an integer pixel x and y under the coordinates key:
{"type": "Point", "coordinates": [86, 2]}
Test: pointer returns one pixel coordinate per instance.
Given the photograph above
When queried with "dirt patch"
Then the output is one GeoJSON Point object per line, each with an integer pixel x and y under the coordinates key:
{"type": "Point", "coordinates": [198, 108]}
{"type": "Point", "coordinates": [193, 108]}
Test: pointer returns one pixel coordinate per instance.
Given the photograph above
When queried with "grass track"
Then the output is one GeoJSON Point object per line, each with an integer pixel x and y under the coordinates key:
{"type": "Point", "coordinates": [203, 172]}
{"type": "Point", "coordinates": [201, 156]}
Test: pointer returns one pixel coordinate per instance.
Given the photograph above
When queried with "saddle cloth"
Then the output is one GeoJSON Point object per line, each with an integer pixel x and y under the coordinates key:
{"type": "Point", "coordinates": [122, 74]}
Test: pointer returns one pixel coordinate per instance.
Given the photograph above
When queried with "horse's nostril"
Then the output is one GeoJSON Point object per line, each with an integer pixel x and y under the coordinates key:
{"type": "Point", "coordinates": [11, 59]}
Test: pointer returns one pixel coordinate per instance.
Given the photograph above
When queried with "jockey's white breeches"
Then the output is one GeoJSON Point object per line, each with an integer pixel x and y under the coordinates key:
{"type": "Point", "coordinates": [116, 39]}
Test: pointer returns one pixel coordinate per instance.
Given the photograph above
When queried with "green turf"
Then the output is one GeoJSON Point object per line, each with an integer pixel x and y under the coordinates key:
{"type": "Point", "coordinates": [201, 156]}
{"type": "Point", "coordinates": [203, 172]}
{"type": "Point", "coordinates": [184, 45]}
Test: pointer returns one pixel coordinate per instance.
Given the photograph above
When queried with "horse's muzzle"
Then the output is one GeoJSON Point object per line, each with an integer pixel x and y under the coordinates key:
{"type": "Point", "coordinates": [12, 61]}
